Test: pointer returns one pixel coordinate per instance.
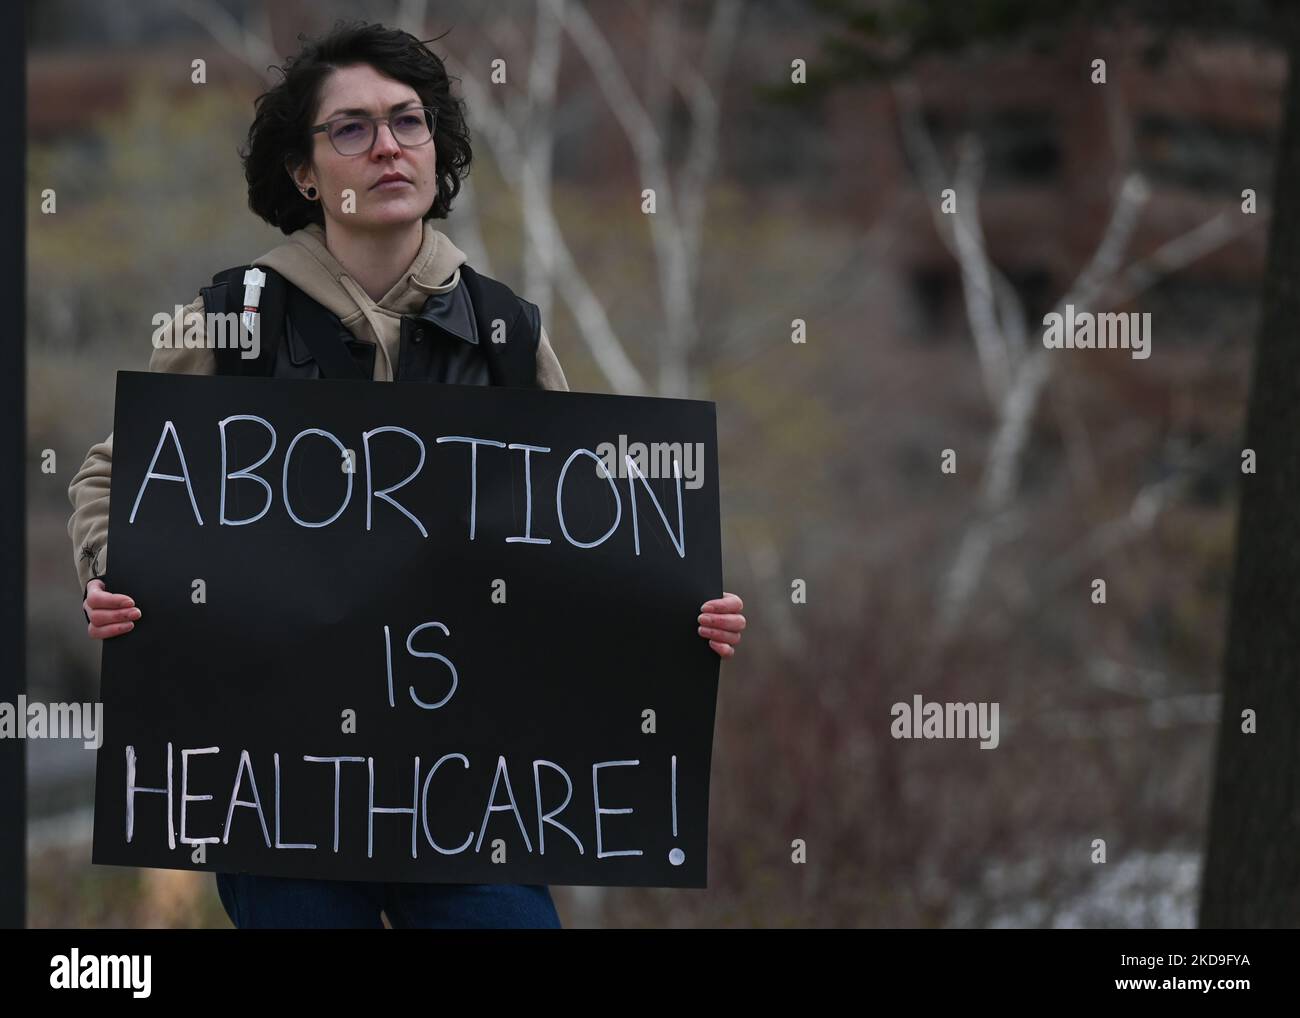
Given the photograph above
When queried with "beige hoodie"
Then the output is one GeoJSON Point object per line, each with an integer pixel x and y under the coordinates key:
{"type": "Point", "coordinates": [304, 260]}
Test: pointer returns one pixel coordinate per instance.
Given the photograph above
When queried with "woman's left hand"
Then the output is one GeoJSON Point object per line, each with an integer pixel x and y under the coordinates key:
{"type": "Point", "coordinates": [721, 622]}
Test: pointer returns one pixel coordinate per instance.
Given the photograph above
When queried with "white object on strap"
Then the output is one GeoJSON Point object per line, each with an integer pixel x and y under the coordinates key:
{"type": "Point", "coordinates": [254, 280]}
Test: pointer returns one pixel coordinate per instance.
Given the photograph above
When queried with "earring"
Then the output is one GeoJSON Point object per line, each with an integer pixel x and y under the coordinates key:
{"type": "Point", "coordinates": [311, 193]}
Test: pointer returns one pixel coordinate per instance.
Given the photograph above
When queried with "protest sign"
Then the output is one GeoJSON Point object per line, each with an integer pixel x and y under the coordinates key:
{"type": "Point", "coordinates": [410, 632]}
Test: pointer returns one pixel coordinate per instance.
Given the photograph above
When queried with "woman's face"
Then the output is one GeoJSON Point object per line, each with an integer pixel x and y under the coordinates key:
{"type": "Point", "coordinates": [362, 88]}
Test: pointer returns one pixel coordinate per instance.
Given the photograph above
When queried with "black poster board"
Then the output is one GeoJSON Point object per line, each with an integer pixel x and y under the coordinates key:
{"type": "Point", "coordinates": [389, 599]}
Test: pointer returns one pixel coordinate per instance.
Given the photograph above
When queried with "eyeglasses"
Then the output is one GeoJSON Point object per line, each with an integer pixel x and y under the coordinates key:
{"type": "Point", "coordinates": [351, 136]}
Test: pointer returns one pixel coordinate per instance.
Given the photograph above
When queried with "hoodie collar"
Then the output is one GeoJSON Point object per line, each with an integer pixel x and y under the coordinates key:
{"type": "Point", "coordinates": [305, 261]}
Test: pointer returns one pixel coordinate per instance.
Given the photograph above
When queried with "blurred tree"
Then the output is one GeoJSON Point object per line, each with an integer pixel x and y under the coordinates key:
{"type": "Point", "coordinates": [1252, 866]}
{"type": "Point", "coordinates": [1251, 874]}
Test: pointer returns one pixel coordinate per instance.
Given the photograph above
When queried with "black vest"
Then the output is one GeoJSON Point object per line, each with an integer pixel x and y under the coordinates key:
{"type": "Point", "coordinates": [478, 333]}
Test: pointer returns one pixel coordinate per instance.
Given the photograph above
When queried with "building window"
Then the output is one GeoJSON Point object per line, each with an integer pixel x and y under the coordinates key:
{"type": "Point", "coordinates": [1201, 156]}
{"type": "Point", "coordinates": [1021, 147]}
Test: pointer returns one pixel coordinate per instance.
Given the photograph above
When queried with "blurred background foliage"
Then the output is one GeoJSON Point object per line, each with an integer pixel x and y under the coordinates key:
{"type": "Point", "coordinates": [830, 449]}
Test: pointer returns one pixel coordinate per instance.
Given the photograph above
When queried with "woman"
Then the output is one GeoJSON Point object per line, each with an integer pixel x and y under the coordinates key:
{"type": "Point", "coordinates": [352, 156]}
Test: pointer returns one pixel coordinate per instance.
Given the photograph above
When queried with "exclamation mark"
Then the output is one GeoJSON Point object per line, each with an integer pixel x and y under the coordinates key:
{"type": "Point", "coordinates": [676, 856]}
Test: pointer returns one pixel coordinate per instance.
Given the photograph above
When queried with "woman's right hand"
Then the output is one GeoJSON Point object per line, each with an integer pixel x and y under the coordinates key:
{"type": "Point", "coordinates": [110, 614]}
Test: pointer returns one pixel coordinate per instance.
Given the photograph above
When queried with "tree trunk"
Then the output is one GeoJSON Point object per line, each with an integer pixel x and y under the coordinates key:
{"type": "Point", "coordinates": [1252, 862]}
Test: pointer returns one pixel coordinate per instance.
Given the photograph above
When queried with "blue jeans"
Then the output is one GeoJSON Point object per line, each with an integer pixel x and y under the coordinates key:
{"type": "Point", "coordinates": [261, 902]}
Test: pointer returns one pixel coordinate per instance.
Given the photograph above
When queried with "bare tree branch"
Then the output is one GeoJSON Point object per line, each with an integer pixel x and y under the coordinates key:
{"type": "Point", "coordinates": [1148, 504]}
{"type": "Point", "coordinates": [661, 67]}
{"type": "Point", "coordinates": [961, 234]}
{"type": "Point", "coordinates": [1101, 277]}
{"type": "Point", "coordinates": [648, 149]}
{"type": "Point", "coordinates": [1106, 259]}
{"type": "Point", "coordinates": [543, 74]}
{"type": "Point", "coordinates": [1176, 254]}
{"type": "Point", "coordinates": [543, 232]}
{"type": "Point", "coordinates": [1015, 416]}
{"type": "Point", "coordinates": [250, 45]}
{"type": "Point", "coordinates": [675, 224]}
{"type": "Point", "coordinates": [702, 91]}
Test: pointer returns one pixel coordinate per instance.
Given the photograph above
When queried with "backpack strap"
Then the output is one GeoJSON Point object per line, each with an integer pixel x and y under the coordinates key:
{"type": "Point", "coordinates": [226, 296]}
{"type": "Point", "coordinates": [510, 363]}
{"type": "Point", "coordinates": [513, 362]}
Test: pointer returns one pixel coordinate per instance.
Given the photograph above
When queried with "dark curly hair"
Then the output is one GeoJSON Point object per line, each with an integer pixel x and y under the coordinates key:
{"type": "Point", "coordinates": [278, 135]}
